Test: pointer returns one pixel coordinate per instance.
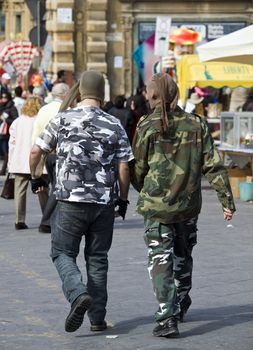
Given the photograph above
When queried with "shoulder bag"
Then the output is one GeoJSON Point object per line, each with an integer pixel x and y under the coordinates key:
{"type": "Point", "coordinates": [8, 188]}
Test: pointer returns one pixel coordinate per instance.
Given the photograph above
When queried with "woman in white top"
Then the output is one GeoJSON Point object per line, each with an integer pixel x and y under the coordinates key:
{"type": "Point", "coordinates": [20, 144]}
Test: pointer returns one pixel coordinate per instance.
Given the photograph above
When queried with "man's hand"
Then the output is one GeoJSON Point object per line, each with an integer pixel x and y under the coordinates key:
{"type": "Point", "coordinates": [122, 204]}
{"type": "Point", "coordinates": [228, 214]}
{"type": "Point", "coordinates": [38, 185]}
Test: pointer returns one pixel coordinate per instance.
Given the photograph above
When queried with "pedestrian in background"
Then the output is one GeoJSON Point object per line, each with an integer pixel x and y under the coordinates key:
{"type": "Point", "coordinates": [40, 91]}
{"type": "Point", "coordinates": [138, 108]}
{"type": "Point", "coordinates": [4, 84]}
{"type": "Point", "coordinates": [18, 99]}
{"type": "Point", "coordinates": [8, 113]}
{"type": "Point", "coordinates": [20, 145]}
{"type": "Point", "coordinates": [107, 106]}
{"type": "Point", "coordinates": [61, 77]}
{"type": "Point", "coordinates": [172, 149]}
{"type": "Point", "coordinates": [93, 152]}
{"type": "Point", "coordinates": [45, 114]}
{"type": "Point", "coordinates": [248, 105]}
{"type": "Point", "coordinates": [123, 114]}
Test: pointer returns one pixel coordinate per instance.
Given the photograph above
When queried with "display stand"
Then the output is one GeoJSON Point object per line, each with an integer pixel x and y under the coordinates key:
{"type": "Point", "coordinates": [234, 153]}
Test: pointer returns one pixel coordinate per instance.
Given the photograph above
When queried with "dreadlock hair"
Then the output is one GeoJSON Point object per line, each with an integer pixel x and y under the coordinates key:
{"type": "Point", "coordinates": [163, 91]}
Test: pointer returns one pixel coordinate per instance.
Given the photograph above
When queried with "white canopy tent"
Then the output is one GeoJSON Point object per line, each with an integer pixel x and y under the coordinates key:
{"type": "Point", "coordinates": [234, 47]}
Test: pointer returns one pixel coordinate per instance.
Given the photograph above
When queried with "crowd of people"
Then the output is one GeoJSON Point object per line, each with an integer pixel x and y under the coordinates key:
{"type": "Point", "coordinates": [92, 151]}
{"type": "Point", "coordinates": [23, 116]}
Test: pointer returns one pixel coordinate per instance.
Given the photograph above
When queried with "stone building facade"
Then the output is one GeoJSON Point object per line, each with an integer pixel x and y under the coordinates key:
{"type": "Point", "coordinates": [102, 34]}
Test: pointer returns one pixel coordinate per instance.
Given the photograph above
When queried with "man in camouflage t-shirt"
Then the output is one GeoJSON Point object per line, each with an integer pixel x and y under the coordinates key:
{"type": "Point", "coordinates": [172, 149]}
{"type": "Point", "coordinates": [93, 152]}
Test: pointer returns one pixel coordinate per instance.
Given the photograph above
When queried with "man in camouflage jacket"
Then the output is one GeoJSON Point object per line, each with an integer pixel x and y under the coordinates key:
{"type": "Point", "coordinates": [172, 149]}
{"type": "Point", "coordinates": [92, 155]}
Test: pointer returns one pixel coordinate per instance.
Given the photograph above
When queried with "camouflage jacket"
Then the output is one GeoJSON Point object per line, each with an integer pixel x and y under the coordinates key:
{"type": "Point", "coordinates": [167, 169]}
{"type": "Point", "coordinates": [89, 145]}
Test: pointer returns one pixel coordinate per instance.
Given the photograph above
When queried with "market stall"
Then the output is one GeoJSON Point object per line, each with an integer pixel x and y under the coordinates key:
{"type": "Point", "coordinates": [191, 72]}
{"type": "Point", "coordinates": [236, 128]}
{"type": "Point", "coordinates": [234, 47]}
{"type": "Point", "coordinates": [237, 137]}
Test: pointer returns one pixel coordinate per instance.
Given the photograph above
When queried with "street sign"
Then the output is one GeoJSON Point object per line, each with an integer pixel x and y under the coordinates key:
{"type": "Point", "coordinates": [64, 15]}
{"type": "Point", "coordinates": [162, 34]}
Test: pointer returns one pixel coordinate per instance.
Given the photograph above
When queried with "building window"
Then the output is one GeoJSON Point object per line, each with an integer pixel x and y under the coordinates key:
{"type": "Point", "coordinates": [2, 26]}
{"type": "Point", "coordinates": [18, 24]}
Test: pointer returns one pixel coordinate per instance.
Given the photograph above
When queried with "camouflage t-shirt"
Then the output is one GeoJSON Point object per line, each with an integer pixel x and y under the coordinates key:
{"type": "Point", "coordinates": [89, 144]}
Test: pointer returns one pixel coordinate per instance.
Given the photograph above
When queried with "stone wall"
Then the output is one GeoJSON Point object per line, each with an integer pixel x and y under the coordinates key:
{"type": "Point", "coordinates": [62, 34]}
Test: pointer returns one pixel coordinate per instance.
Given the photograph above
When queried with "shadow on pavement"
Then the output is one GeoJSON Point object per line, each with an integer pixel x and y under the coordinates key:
{"type": "Point", "coordinates": [124, 327]}
{"type": "Point", "coordinates": [219, 318]}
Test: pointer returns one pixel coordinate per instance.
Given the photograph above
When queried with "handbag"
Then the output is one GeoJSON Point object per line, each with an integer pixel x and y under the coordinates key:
{"type": "Point", "coordinates": [8, 188]}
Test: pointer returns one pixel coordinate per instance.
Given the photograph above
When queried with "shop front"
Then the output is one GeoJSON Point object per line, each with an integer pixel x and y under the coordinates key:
{"type": "Point", "coordinates": [144, 30]}
{"type": "Point", "coordinates": [212, 19]}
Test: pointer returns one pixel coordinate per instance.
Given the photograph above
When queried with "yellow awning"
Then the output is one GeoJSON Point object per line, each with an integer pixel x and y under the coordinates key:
{"type": "Point", "coordinates": [191, 72]}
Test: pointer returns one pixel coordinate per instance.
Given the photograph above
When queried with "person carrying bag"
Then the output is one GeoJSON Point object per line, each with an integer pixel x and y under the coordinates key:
{"type": "Point", "coordinates": [8, 188]}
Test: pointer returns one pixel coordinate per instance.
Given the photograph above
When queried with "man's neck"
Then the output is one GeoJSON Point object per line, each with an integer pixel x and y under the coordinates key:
{"type": "Point", "coordinates": [90, 102]}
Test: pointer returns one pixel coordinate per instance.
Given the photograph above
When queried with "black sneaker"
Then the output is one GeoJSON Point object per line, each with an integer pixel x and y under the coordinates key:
{"type": "Point", "coordinates": [21, 226]}
{"type": "Point", "coordinates": [78, 308]}
{"type": "Point", "coordinates": [45, 229]}
{"type": "Point", "coordinates": [98, 326]}
{"type": "Point", "coordinates": [184, 308]}
{"type": "Point", "coordinates": [168, 329]}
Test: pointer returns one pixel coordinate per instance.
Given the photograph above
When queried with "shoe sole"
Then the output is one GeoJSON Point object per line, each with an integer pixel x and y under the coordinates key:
{"type": "Point", "coordinates": [98, 328]}
{"type": "Point", "coordinates": [174, 334]}
{"type": "Point", "coordinates": [167, 334]}
{"type": "Point", "coordinates": [41, 231]}
{"type": "Point", "coordinates": [21, 228]}
{"type": "Point", "coordinates": [75, 317]}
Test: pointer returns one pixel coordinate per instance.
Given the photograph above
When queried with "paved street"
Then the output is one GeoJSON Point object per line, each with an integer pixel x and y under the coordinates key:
{"type": "Point", "coordinates": [33, 308]}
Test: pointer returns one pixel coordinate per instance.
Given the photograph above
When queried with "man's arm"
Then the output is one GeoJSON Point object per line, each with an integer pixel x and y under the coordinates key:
{"type": "Point", "coordinates": [35, 157]}
{"type": "Point", "coordinates": [124, 180]}
{"type": "Point", "coordinates": [139, 165]}
{"type": "Point", "coordinates": [38, 184]}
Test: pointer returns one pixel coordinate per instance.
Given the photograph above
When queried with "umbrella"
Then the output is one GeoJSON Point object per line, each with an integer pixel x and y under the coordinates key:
{"type": "Point", "coordinates": [234, 47]}
{"type": "Point", "coordinates": [19, 54]}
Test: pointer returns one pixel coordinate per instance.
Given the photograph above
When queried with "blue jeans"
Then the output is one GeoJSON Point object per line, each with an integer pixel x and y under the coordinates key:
{"type": "Point", "coordinates": [71, 221]}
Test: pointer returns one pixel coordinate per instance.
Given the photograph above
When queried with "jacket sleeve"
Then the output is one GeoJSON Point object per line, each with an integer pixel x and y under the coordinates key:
{"type": "Point", "coordinates": [12, 115]}
{"type": "Point", "coordinates": [12, 143]}
{"type": "Point", "coordinates": [139, 165]}
{"type": "Point", "coordinates": [37, 130]}
{"type": "Point", "coordinates": [214, 170]}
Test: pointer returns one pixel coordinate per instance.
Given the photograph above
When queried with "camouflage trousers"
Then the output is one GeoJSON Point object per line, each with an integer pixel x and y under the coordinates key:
{"type": "Point", "coordinates": [170, 263]}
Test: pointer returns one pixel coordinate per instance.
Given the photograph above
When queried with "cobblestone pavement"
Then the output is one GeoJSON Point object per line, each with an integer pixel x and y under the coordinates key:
{"type": "Point", "coordinates": [33, 308]}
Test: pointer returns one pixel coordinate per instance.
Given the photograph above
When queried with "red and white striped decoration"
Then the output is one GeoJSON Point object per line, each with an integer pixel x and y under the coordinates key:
{"type": "Point", "coordinates": [20, 55]}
